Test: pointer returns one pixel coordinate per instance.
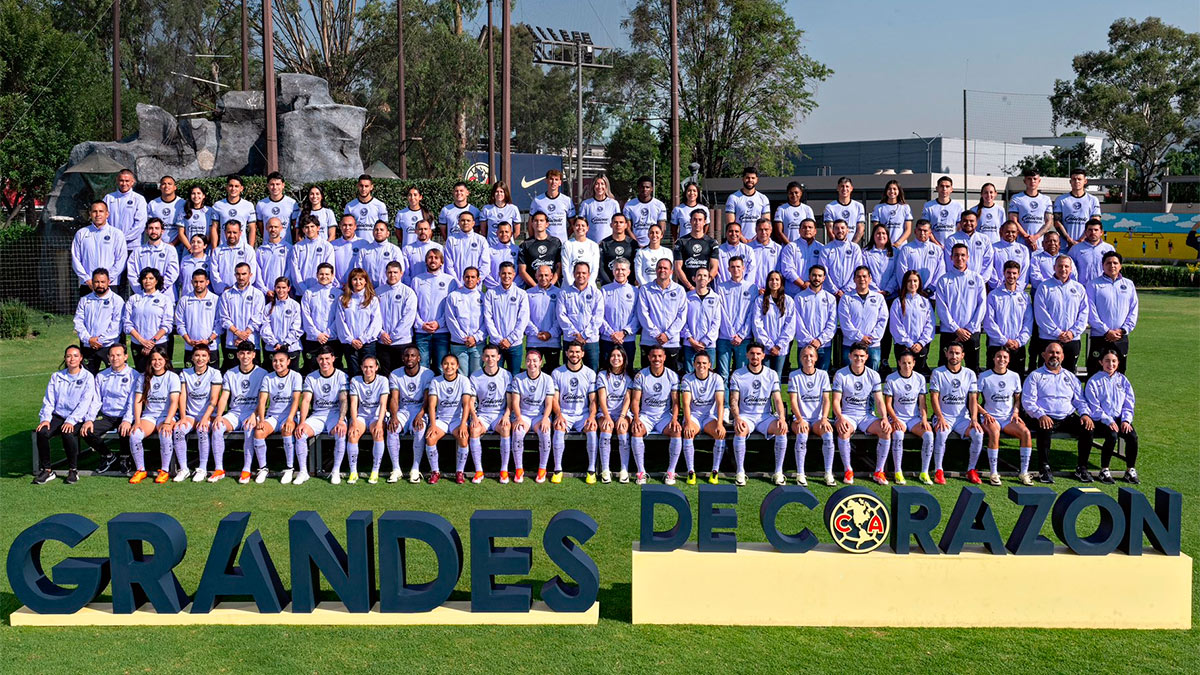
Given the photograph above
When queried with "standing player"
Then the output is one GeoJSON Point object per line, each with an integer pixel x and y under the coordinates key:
{"type": "Point", "coordinates": [539, 250]}
{"type": "Point", "coordinates": [97, 322]}
{"type": "Point", "coordinates": [942, 212]}
{"type": "Point", "coordinates": [233, 207]}
{"type": "Point", "coordinates": [845, 209]}
{"type": "Point", "coordinates": [894, 213]}
{"type": "Point", "coordinates": [579, 249]}
{"type": "Point", "coordinates": [199, 392]}
{"type": "Point", "coordinates": [816, 317]}
{"type": "Point", "coordinates": [407, 218]}
{"type": "Point", "coordinates": [556, 206]}
{"type": "Point", "coordinates": [1031, 210]}
{"type": "Point", "coordinates": [1074, 209]}
{"type": "Point", "coordinates": [239, 390]}
{"type": "Point", "coordinates": [654, 406]}
{"type": "Point", "coordinates": [70, 395]}
{"type": "Point", "coordinates": [612, 402]}
{"type": "Point", "coordinates": [369, 395]}
{"type": "Point", "coordinates": [313, 205]}
{"type": "Point", "coordinates": [366, 209]}
{"type": "Point", "coordinates": [747, 205]}
{"type": "Point", "coordinates": [620, 245]}
{"type": "Point", "coordinates": [154, 253]}
{"type": "Point", "coordinates": [543, 331]}
{"type": "Point", "coordinates": [619, 325]}
{"type": "Point", "coordinates": [1008, 320]}
{"type": "Point", "coordinates": [904, 398]}
{"type": "Point", "coordinates": [168, 208]}
{"type": "Point", "coordinates": [155, 406]}
{"type": "Point", "coordinates": [954, 392]}
{"type": "Point", "coordinates": [696, 251]}
{"type": "Point", "coordinates": [600, 209]}
{"type": "Point", "coordinates": [531, 398]}
{"type": "Point", "coordinates": [789, 216]}
{"type": "Point", "coordinates": [127, 209]}
{"type": "Point", "coordinates": [809, 389]}
{"type": "Point", "coordinates": [1112, 313]}
{"type": "Point", "coordinates": [1001, 392]}
{"type": "Point", "coordinates": [911, 322]}
{"type": "Point", "coordinates": [97, 247]}
{"type": "Point", "coordinates": [1060, 308]}
{"type": "Point", "coordinates": [961, 297]}
{"type": "Point", "coordinates": [194, 217]}
{"type": "Point", "coordinates": [755, 405]}
{"type": "Point", "coordinates": [991, 215]}
{"type": "Point", "coordinates": [278, 399]}
{"type": "Point", "coordinates": [491, 410]}
{"type": "Point", "coordinates": [500, 209]}
{"type": "Point", "coordinates": [277, 205]}
{"type": "Point", "coordinates": [1110, 401]}
{"type": "Point", "coordinates": [323, 407]}
{"type": "Point", "coordinates": [681, 215]}
{"type": "Point", "coordinates": [855, 389]}
{"type": "Point", "coordinates": [576, 409]}
{"type": "Point", "coordinates": [645, 210]}
{"type": "Point", "coordinates": [702, 401]}
{"type": "Point", "coordinates": [450, 405]}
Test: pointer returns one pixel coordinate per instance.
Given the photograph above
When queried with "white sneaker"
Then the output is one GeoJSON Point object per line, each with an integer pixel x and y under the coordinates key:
{"type": "Point", "coordinates": [286, 477]}
{"type": "Point", "coordinates": [181, 475]}
{"type": "Point", "coordinates": [779, 479]}
{"type": "Point", "coordinates": [801, 479]}
{"type": "Point", "coordinates": [829, 481]}
{"type": "Point", "coordinates": [670, 479]}
{"type": "Point", "coordinates": [641, 478]}
{"type": "Point", "coordinates": [623, 476]}
{"type": "Point", "coordinates": [395, 476]}
{"type": "Point", "coordinates": [995, 478]}
{"type": "Point", "coordinates": [740, 479]}
{"type": "Point", "coordinates": [606, 476]}
{"type": "Point", "coordinates": [261, 476]}
{"type": "Point", "coordinates": [301, 478]}
{"type": "Point", "coordinates": [414, 476]}
{"type": "Point", "coordinates": [199, 475]}
{"type": "Point", "coordinates": [335, 478]}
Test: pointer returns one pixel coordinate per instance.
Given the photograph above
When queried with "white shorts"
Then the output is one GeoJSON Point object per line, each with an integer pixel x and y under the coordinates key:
{"type": "Point", "coordinates": [447, 425]}
{"type": "Point", "coordinates": [759, 424]}
{"type": "Point", "coordinates": [237, 419]}
{"type": "Point", "coordinates": [274, 423]}
{"type": "Point", "coordinates": [910, 422]}
{"type": "Point", "coordinates": [405, 414]}
{"type": "Point", "coordinates": [527, 423]}
{"type": "Point", "coordinates": [157, 419]}
{"type": "Point", "coordinates": [703, 420]}
{"type": "Point", "coordinates": [656, 425]}
{"type": "Point", "coordinates": [574, 423]}
{"type": "Point", "coordinates": [960, 425]}
{"type": "Point", "coordinates": [368, 420]}
{"type": "Point", "coordinates": [862, 423]}
{"type": "Point", "coordinates": [490, 420]}
{"type": "Point", "coordinates": [322, 423]}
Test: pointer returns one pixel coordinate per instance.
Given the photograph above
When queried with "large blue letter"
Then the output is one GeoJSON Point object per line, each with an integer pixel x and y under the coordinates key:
{"type": "Point", "coordinates": [395, 593]}
{"type": "Point", "coordinates": [315, 551]}
{"type": "Point", "coordinates": [564, 529]}
{"type": "Point", "coordinates": [1026, 537]}
{"type": "Point", "coordinates": [138, 577]}
{"type": "Point", "coordinates": [666, 540]}
{"type": "Point", "coordinates": [256, 576]}
{"type": "Point", "coordinates": [1065, 518]}
{"type": "Point", "coordinates": [908, 523]}
{"type": "Point", "coordinates": [1163, 525]}
{"type": "Point", "coordinates": [30, 584]}
{"type": "Point", "coordinates": [971, 522]}
{"type": "Point", "coordinates": [711, 518]}
{"type": "Point", "coordinates": [489, 561]}
{"type": "Point", "coordinates": [768, 513]}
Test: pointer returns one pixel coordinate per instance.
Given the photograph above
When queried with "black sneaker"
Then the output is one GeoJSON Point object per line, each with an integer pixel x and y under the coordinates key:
{"type": "Point", "coordinates": [127, 466]}
{"type": "Point", "coordinates": [106, 463]}
{"type": "Point", "coordinates": [72, 477]}
{"type": "Point", "coordinates": [1082, 475]}
{"type": "Point", "coordinates": [1046, 476]}
{"type": "Point", "coordinates": [1132, 477]}
{"type": "Point", "coordinates": [1106, 477]}
{"type": "Point", "coordinates": [44, 477]}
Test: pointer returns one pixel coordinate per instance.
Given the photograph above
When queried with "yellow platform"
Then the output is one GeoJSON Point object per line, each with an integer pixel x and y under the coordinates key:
{"type": "Point", "coordinates": [758, 586]}
{"type": "Point", "coordinates": [455, 613]}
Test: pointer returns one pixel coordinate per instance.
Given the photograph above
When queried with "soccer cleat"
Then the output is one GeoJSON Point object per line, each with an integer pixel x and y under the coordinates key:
{"type": "Point", "coordinates": [181, 475]}
{"type": "Point", "coordinates": [939, 477]}
{"type": "Point", "coordinates": [691, 479]}
{"type": "Point", "coordinates": [162, 477]}
{"type": "Point", "coordinates": [848, 477]}
{"type": "Point", "coordinates": [973, 477]}
{"type": "Point", "coordinates": [301, 478]}
{"type": "Point", "coordinates": [395, 476]}
{"type": "Point", "coordinates": [1082, 475]}
{"type": "Point", "coordinates": [557, 477]}
{"type": "Point", "coordinates": [335, 478]}
{"type": "Point", "coordinates": [623, 477]}
{"type": "Point", "coordinates": [72, 477]}
{"type": "Point", "coordinates": [261, 476]}
{"type": "Point", "coordinates": [606, 476]}
{"type": "Point", "coordinates": [670, 479]}
{"type": "Point", "coordinates": [414, 476]}
{"type": "Point", "coordinates": [199, 475]}
{"type": "Point", "coordinates": [137, 477]}
{"type": "Point", "coordinates": [1132, 477]}
{"type": "Point", "coordinates": [1046, 476]}
{"type": "Point", "coordinates": [352, 478]}
{"type": "Point", "coordinates": [740, 479]}
{"type": "Point", "coordinates": [435, 477]}
{"type": "Point", "coordinates": [778, 479]}
{"type": "Point", "coordinates": [460, 477]}
{"type": "Point", "coordinates": [829, 481]}
{"type": "Point", "coordinates": [504, 478]}
{"type": "Point", "coordinates": [925, 478]}
{"type": "Point", "coordinates": [1106, 477]}
{"type": "Point", "coordinates": [244, 478]}
{"type": "Point", "coordinates": [801, 479]}
{"type": "Point", "coordinates": [45, 476]}
{"type": "Point", "coordinates": [216, 475]}
{"type": "Point", "coordinates": [899, 478]}
{"type": "Point", "coordinates": [287, 476]}
{"type": "Point", "coordinates": [879, 477]}
{"type": "Point", "coordinates": [541, 476]}
{"type": "Point", "coordinates": [477, 478]}
{"type": "Point", "coordinates": [373, 477]}
{"type": "Point", "coordinates": [590, 479]}
{"type": "Point", "coordinates": [714, 478]}
{"type": "Point", "coordinates": [641, 478]}
{"type": "Point", "coordinates": [1026, 479]}
{"type": "Point", "coordinates": [519, 476]}
{"type": "Point", "coordinates": [994, 478]}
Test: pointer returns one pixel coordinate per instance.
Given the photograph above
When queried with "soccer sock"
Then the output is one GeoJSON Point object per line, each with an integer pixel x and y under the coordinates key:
{"type": "Point", "coordinates": [939, 448]}
{"type": "Point", "coordinates": [477, 454]}
{"type": "Point", "coordinates": [505, 452]}
{"type": "Point", "coordinates": [289, 451]}
{"type": "Point", "coordinates": [639, 454]}
{"type": "Point", "coordinates": [166, 448]}
{"type": "Point", "coordinates": [623, 450]}
{"type": "Point", "coordinates": [1026, 453]}
{"type": "Point", "coordinates": [218, 447]}
{"type": "Point", "coordinates": [518, 450]}
{"type": "Point", "coordinates": [993, 459]}
{"type": "Point", "coordinates": [376, 455]}
{"type": "Point", "coordinates": [780, 451]}
{"type": "Point", "coordinates": [590, 439]}
{"type": "Point", "coordinates": [800, 451]}
{"type": "Point", "coordinates": [844, 451]}
{"type": "Point", "coordinates": [393, 450]}
{"type": "Point", "coordinates": [827, 451]}
{"type": "Point", "coordinates": [605, 450]}
{"type": "Point", "coordinates": [976, 449]}
{"type": "Point", "coordinates": [882, 447]}
{"type": "Point", "coordinates": [352, 456]}
{"type": "Point", "coordinates": [204, 442]}
{"type": "Point", "coordinates": [897, 450]}
{"type": "Point", "coordinates": [302, 453]}
{"type": "Point", "coordinates": [137, 449]}
{"type": "Point", "coordinates": [260, 449]}
{"type": "Point", "coordinates": [559, 442]}
{"type": "Point", "coordinates": [248, 445]}
{"type": "Point", "coordinates": [544, 443]}
{"type": "Point", "coordinates": [179, 438]}
{"type": "Point", "coordinates": [689, 454]}
{"type": "Point", "coordinates": [718, 454]}
{"type": "Point", "coordinates": [739, 453]}
{"type": "Point", "coordinates": [460, 458]}
{"type": "Point", "coordinates": [339, 452]}
{"type": "Point", "coordinates": [673, 454]}
{"type": "Point", "coordinates": [431, 451]}
{"type": "Point", "coordinates": [418, 450]}
{"type": "Point", "coordinates": [926, 450]}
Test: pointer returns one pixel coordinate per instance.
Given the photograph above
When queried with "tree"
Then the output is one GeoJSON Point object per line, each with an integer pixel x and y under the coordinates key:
{"type": "Point", "coordinates": [745, 80]}
{"type": "Point", "coordinates": [1059, 161]}
{"type": "Point", "coordinates": [1143, 92]}
{"type": "Point", "coordinates": [632, 152]}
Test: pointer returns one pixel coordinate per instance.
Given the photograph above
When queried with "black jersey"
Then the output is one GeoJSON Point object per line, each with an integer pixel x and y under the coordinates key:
{"type": "Point", "coordinates": [537, 252]}
{"type": "Point", "coordinates": [610, 251]}
{"type": "Point", "coordinates": [695, 253]}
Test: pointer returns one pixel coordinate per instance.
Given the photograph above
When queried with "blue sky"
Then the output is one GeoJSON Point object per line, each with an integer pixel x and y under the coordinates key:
{"type": "Point", "coordinates": [934, 49]}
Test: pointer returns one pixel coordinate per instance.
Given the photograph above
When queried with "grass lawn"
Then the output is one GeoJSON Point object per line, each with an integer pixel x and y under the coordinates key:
{"type": "Point", "coordinates": [1165, 370]}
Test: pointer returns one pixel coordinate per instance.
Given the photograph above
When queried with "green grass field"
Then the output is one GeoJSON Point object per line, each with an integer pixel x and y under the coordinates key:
{"type": "Point", "coordinates": [1165, 370]}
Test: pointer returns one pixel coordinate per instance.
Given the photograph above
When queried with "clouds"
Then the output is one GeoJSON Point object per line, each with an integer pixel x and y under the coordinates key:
{"type": "Point", "coordinates": [1125, 224]}
{"type": "Point", "coordinates": [1165, 218]}
{"type": "Point", "coordinates": [1108, 216]}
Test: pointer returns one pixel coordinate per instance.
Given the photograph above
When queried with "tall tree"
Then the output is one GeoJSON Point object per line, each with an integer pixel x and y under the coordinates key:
{"type": "Point", "coordinates": [1143, 92]}
{"type": "Point", "coordinates": [745, 80]}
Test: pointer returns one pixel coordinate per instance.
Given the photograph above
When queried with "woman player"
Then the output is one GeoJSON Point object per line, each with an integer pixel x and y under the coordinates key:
{"type": "Point", "coordinates": [904, 399]}
{"type": "Point", "coordinates": [451, 410]}
{"type": "Point", "coordinates": [323, 406]}
{"type": "Point", "coordinates": [1001, 412]}
{"type": "Point", "coordinates": [155, 404]}
{"type": "Point", "coordinates": [368, 412]}
{"type": "Point", "coordinates": [531, 398]}
{"type": "Point", "coordinates": [809, 390]}
{"type": "Point", "coordinates": [278, 400]}
{"type": "Point", "coordinates": [612, 405]}
{"type": "Point", "coordinates": [198, 395]}
{"type": "Point", "coordinates": [702, 400]}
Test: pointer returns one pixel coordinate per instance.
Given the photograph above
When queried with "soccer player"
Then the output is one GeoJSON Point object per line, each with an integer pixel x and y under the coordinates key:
{"type": "Point", "coordinates": [697, 251]}
{"type": "Point", "coordinates": [702, 401]}
{"type": "Point", "coordinates": [369, 396]}
{"type": "Point", "coordinates": [432, 288]}
{"type": "Point", "coordinates": [505, 315]}
{"type": "Point", "coordinates": [845, 209]}
{"type": "Point", "coordinates": [942, 212]}
{"type": "Point", "coordinates": [654, 407]}
{"type": "Point", "coordinates": [230, 255]}
{"type": "Point", "coordinates": [600, 209]}
{"type": "Point", "coordinates": [500, 209]}
{"type": "Point", "coordinates": [755, 405]}
{"type": "Point", "coordinates": [764, 255]}
{"type": "Point", "coordinates": [148, 318]}
{"type": "Point", "coordinates": [359, 320]}
{"type": "Point", "coordinates": [575, 410]}
{"type": "Point", "coordinates": [961, 297]}
{"type": "Point", "coordinates": [681, 215]}
{"type": "Point", "coordinates": [377, 255]}
{"type": "Point", "coordinates": [276, 205]}
{"type": "Point", "coordinates": [239, 315]}
{"type": "Point", "coordinates": [1031, 210]}
{"type": "Point", "coordinates": [200, 389]}
{"type": "Point", "coordinates": [1008, 321]}
{"type": "Point", "coordinates": [991, 215]}
{"type": "Point", "coordinates": [155, 406]}
{"type": "Point", "coordinates": [195, 259]}
{"type": "Point", "coordinates": [409, 386]}
{"type": "Point", "coordinates": [981, 256]}
{"type": "Point", "coordinates": [543, 331]}
{"type": "Point", "coordinates": [619, 245]}
{"type": "Point", "coordinates": [855, 389]}
{"type": "Point", "coordinates": [323, 407]}
{"type": "Point", "coordinates": [580, 313]}
{"type": "Point", "coordinates": [96, 247]}
{"type": "Point", "coordinates": [539, 250]}
{"type": "Point", "coordinates": [662, 311]}
{"type": "Point", "coordinates": [398, 313]}
{"type": "Point", "coordinates": [1060, 308]}
{"type": "Point", "coordinates": [808, 388]}
{"type": "Point", "coordinates": [1000, 389]}
{"type": "Point", "coordinates": [531, 398]}
{"type": "Point", "coordinates": [904, 400]}
{"type": "Point", "coordinates": [464, 319]}
{"type": "Point", "coordinates": [1110, 401]}
{"type": "Point", "coordinates": [491, 410]}
{"type": "Point", "coordinates": [645, 210]}
{"type": "Point", "coordinates": [612, 404]}
{"type": "Point", "coordinates": [464, 247]}
{"type": "Point", "coordinates": [1112, 313]}
{"type": "Point", "coordinates": [953, 391]}
{"type": "Point", "coordinates": [69, 398]}
{"type": "Point", "coordinates": [911, 322]}
{"type": "Point", "coordinates": [451, 409]}
{"type": "Point", "coordinates": [127, 209]}
{"type": "Point", "coordinates": [114, 395]}
{"type": "Point", "coordinates": [278, 400]}
{"type": "Point", "coordinates": [789, 216]}
{"type": "Point", "coordinates": [775, 323]}
{"type": "Point", "coordinates": [346, 247]}
{"type": "Point", "coordinates": [816, 317]}
{"type": "Point", "coordinates": [195, 217]}
{"type": "Point", "coordinates": [503, 251]}
{"type": "Point", "coordinates": [799, 256]}
{"type": "Point", "coordinates": [579, 249]}
{"type": "Point", "coordinates": [556, 206]}
{"type": "Point", "coordinates": [167, 208]}
{"type": "Point", "coordinates": [366, 209]}
{"type": "Point", "coordinates": [1075, 209]}
{"type": "Point", "coordinates": [923, 255]}
{"type": "Point", "coordinates": [747, 205]}
{"type": "Point", "coordinates": [619, 325]}
{"type": "Point", "coordinates": [407, 218]}
{"type": "Point", "coordinates": [281, 328]}
{"type": "Point", "coordinates": [863, 317]}
{"type": "Point", "coordinates": [1053, 401]}
{"type": "Point", "coordinates": [274, 257]}
{"type": "Point", "coordinates": [840, 258]}
{"type": "Point", "coordinates": [450, 217]}
{"type": "Point", "coordinates": [732, 246]}
{"type": "Point", "coordinates": [702, 324]}
{"type": "Point", "coordinates": [154, 253]}
{"type": "Point", "coordinates": [308, 254]}
{"type": "Point", "coordinates": [894, 213]}
{"type": "Point", "coordinates": [738, 300]}
{"type": "Point", "coordinates": [98, 317]}
{"type": "Point", "coordinates": [313, 204]}
{"type": "Point", "coordinates": [317, 318]}
{"type": "Point", "coordinates": [1008, 249]}
{"type": "Point", "coordinates": [233, 207]}
{"type": "Point", "coordinates": [645, 261]}
{"type": "Point", "coordinates": [239, 391]}
{"type": "Point", "coordinates": [1088, 253]}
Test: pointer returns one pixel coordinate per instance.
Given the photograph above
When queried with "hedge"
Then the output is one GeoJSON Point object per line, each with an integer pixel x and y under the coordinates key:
{"type": "Point", "coordinates": [1161, 276]}
{"type": "Point", "coordinates": [435, 192]}
{"type": "Point", "coordinates": [14, 320]}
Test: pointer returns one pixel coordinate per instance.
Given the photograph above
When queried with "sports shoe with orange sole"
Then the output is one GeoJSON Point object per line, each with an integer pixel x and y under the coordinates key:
{"type": "Point", "coordinates": [541, 476]}
{"type": "Point", "coordinates": [519, 476]}
{"type": "Point", "coordinates": [216, 475]}
{"type": "Point", "coordinates": [477, 478]}
{"type": "Point", "coordinates": [244, 478]}
{"type": "Point", "coordinates": [879, 477]}
{"type": "Point", "coordinates": [137, 477]}
{"type": "Point", "coordinates": [848, 477]}
{"type": "Point", "coordinates": [162, 477]}
{"type": "Point", "coordinates": [939, 477]}
{"type": "Point", "coordinates": [503, 477]}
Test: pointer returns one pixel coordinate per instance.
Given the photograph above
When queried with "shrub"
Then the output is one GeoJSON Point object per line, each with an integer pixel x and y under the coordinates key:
{"type": "Point", "coordinates": [1161, 276]}
{"type": "Point", "coordinates": [14, 320]}
{"type": "Point", "coordinates": [435, 192]}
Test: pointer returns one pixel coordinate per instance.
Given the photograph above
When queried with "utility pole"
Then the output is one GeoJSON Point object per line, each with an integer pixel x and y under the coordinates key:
{"type": "Point", "coordinates": [401, 113]}
{"type": "Point", "coordinates": [245, 47]}
{"type": "Point", "coordinates": [506, 93]}
{"type": "Point", "coordinates": [578, 120]}
{"type": "Point", "coordinates": [674, 99]}
{"type": "Point", "coordinates": [268, 20]}
{"type": "Point", "coordinates": [116, 70]}
{"type": "Point", "coordinates": [491, 106]}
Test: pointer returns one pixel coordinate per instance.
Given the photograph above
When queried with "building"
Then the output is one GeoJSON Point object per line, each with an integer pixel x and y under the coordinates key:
{"type": "Point", "coordinates": [929, 156]}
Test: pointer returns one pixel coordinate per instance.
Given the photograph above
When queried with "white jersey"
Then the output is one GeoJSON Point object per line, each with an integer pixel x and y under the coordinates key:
{"type": "Point", "coordinates": [954, 389]}
{"type": "Point", "coordinates": [411, 388]}
{"type": "Point", "coordinates": [285, 210]}
{"type": "Point", "coordinates": [533, 393]}
{"type": "Point", "coordinates": [747, 209]}
{"type": "Point", "coordinates": [326, 392]}
{"type": "Point", "coordinates": [810, 390]}
{"type": "Point", "coordinates": [656, 391]}
{"type": "Point", "coordinates": [557, 209]}
{"type": "Point", "coordinates": [858, 391]}
{"type": "Point", "coordinates": [243, 389]}
{"type": "Point", "coordinates": [998, 391]}
{"type": "Point", "coordinates": [224, 211]}
{"type": "Point", "coordinates": [906, 393]}
{"type": "Point", "coordinates": [990, 219]}
{"type": "Point", "coordinates": [704, 394]}
{"type": "Point", "coordinates": [199, 389]}
{"type": "Point", "coordinates": [755, 390]}
{"type": "Point", "coordinates": [158, 399]}
{"type": "Point", "coordinates": [169, 213]}
{"type": "Point", "coordinates": [406, 225]}
{"type": "Point", "coordinates": [615, 387]}
{"type": "Point", "coordinates": [449, 395]}
{"type": "Point", "coordinates": [1075, 212]}
{"type": "Point", "coordinates": [791, 217]}
{"type": "Point", "coordinates": [943, 218]}
{"type": "Point", "coordinates": [370, 395]}
{"type": "Point", "coordinates": [491, 391]}
{"type": "Point", "coordinates": [853, 213]}
{"type": "Point", "coordinates": [1031, 211]}
{"type": "Point", "coordinates": [279, 392]}
{"type": "Point", "coordinates": [574, 388]}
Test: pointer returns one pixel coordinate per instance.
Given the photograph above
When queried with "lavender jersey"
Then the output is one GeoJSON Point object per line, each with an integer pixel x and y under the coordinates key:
{"type": "Point", "coordinates": [703, 394]}
{"type": "Point", "coordinates": [755, 391]}
{"type": "Point", "coordinates": [326, 392]}
{"type": "Point", "coordinates": [411, 388]}
{"type": "Point", "coordinates": [954, 389]}
{"type": "Point", "coordinates": [615, 386]}
{"type": "Point", "coordinates": [810, 390]}
{"type": "Point", "coordinates": [199, 389]}
{"type": "Point", "coordinates": [449, 395]}
{"type": "Point", "coordinates": [998, 391]}
{"type": "Point", "coordinates": [371, 395]}
{"type": "Point", "coordinates": [279, 392]}
{"type": "Point", "coordinates": [491, 391]}
{"type": "Point", "coordinates": [656, 392]}
{"type": "Point", "coordinates": [857, 391]}
{"type": "Point", "coordinates": [906, 393]}
{"type": "Point", "coordinates": [574, 388]}
{"type": "Point", "coordinates": [533, 392]}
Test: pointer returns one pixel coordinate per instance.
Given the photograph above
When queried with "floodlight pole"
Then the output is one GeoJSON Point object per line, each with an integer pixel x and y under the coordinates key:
{"type": "Point", "coordinates": [491, 106]}
{"type": "Point", "coordinates": [506, 92]}
{"type": "Point", "coordinates": [674, 99]}
{"type": "Point", "coordinates": [401, 113]}
{"type": "Point", "coordinates": [272, 134]}
{"type": "Point", "coordinates": [116, 70]}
